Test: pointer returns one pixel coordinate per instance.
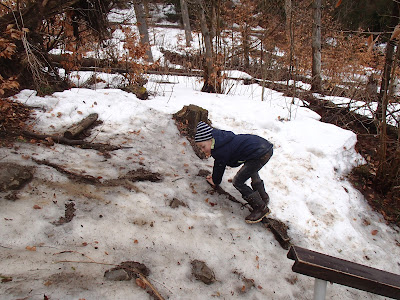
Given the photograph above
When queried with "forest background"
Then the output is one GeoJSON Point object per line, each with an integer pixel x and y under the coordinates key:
{"type": "Point", "coordinates": [339, 47]}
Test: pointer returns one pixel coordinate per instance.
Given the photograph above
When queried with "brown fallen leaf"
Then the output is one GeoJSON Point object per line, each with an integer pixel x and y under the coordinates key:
{"type": "Point", "coordinates": [48, 283]}
{"type": "Point", "coordinates": [29, 248]}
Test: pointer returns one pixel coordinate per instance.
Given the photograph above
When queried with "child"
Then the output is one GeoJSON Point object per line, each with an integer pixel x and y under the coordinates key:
{"type": "Point", "coordinates": [229, 149]}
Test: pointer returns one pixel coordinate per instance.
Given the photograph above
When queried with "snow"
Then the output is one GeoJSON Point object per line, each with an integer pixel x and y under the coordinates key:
{"type": "Point", "coordinates": [305, 178]}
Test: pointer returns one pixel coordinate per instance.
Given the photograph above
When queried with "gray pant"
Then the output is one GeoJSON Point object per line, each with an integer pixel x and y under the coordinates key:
{"type": "Point", "coordinates": [250, 170]}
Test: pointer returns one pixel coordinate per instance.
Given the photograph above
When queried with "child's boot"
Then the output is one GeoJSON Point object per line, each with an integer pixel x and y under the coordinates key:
{"type": "Point", "coordinates": [260, 209]}
{"type": "Point", "coordinates": [259, 187]}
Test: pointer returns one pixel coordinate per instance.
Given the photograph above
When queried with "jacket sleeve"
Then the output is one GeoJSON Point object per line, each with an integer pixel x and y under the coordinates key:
{"type": "Point", "coordinates": [218, 172]}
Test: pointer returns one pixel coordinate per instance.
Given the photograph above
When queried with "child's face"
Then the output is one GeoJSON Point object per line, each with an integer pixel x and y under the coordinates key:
{"type": "Point", "coordinates": [205, 147]}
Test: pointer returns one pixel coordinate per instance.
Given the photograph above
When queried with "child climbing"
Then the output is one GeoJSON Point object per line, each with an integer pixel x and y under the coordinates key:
{"type": "Point", "coordinates": [233, 150]}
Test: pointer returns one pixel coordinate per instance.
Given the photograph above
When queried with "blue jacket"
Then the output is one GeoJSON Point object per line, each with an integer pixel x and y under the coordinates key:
{"type": "Point", "coordinates": [233, 150]}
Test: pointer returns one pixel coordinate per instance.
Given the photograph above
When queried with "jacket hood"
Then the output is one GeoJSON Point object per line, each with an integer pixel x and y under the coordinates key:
{"type": "Point", "coordinates": [222, 137]}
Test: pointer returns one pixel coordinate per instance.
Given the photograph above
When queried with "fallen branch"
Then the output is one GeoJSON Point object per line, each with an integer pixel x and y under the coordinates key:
{"type": "Point", "coordinates": [81, 143]}
{"type": "Point", "coordinates": [71, 175]}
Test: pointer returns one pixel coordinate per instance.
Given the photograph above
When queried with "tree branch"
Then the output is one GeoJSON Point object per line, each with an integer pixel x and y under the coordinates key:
{"type": "Point", "coordinates": [62, 140]}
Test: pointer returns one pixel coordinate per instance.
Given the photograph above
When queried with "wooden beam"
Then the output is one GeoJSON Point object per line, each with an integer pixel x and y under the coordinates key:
{"type": "Point", "coordinates": [344, 272]}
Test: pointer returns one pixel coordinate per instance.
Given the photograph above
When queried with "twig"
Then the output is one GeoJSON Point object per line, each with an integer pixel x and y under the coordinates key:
{"type": "Point", "coordinates": [72, 251]}
{"type": "Point", "coordinates": [144, 279]}
{"type": "Point", "coordinates": [177, 179]}
{"type": "Point", "coordinates": [172, 91]}
{"type": "Point", "coordinates": [98, 132]}
{"type": "Point", "coordinates": [83, 262]}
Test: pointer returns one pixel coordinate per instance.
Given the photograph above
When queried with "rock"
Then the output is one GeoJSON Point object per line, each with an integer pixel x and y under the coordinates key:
{"type": "Point", "coordinates": [203, 173]}
{"type": "Point", "coordinates": [126, 271]}
{"type": "Point", "coordinates": [117, 275]}
{"type": "Point", "coordinates": [202, 272]}
{"type": "Point", "coordinates": [13, 176]}
{"type": "Point", "coordinates": [134, 267]}
{"type": "Point", "coordinates": [175, 203]}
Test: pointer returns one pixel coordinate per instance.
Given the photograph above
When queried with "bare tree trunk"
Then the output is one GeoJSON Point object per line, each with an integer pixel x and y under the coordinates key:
{"type": "Point", "coordinates": [288, 13]}
{"type": "Point", "coordinates": [213, 19]}
{"type": "Point", "coordinates": [246, 45]}
{"type": "Point", "coordinates": [388, 169]}
{"type": "Point", "coordinates": [186, 22]}
{"type": "Point", "coordinates": [143, 29]}
{"type": "Point", "coordinates": [291, 43]}
{"type": "Point", "coordinates": [388, 62]}
{"type": "Point", "coordinates": [210, 76]}
{"type": "Point", "coordinates": [218, 40]}
{"type": "Point", "coordinates": [316, 84]}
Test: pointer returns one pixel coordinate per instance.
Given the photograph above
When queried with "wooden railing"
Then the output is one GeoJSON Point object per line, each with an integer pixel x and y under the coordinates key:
{"type": "Point", "coordinates": [326, 268]}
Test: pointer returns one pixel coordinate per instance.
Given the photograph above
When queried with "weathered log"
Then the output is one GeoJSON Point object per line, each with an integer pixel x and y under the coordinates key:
{"type": "Point", "coordinates": [76, 129]}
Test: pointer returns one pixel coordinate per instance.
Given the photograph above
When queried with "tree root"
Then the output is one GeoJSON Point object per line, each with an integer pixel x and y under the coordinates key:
{"type": "Point", "coordinates": [71, 175]}
{"type": "Point", "coordinates": [126, 181]}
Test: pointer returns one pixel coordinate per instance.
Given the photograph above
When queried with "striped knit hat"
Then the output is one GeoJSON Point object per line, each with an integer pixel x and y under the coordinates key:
{"type": "Point", "coordinates": [203, 132]}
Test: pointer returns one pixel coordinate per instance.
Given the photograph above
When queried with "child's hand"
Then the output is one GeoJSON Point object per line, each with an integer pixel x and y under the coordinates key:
{"type": "Point", "coordinates": [210, 181]}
